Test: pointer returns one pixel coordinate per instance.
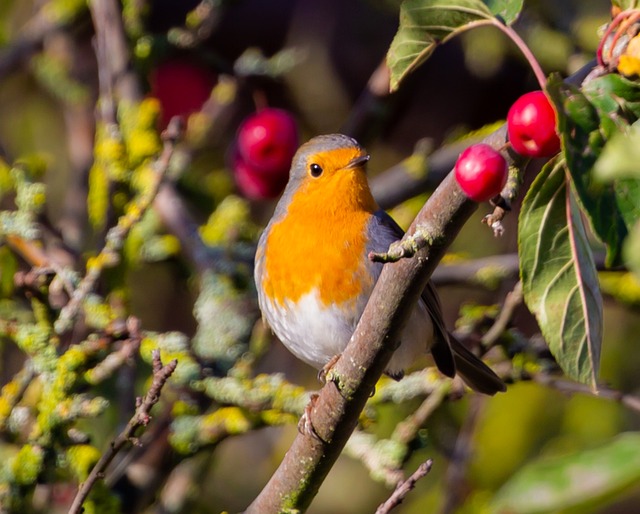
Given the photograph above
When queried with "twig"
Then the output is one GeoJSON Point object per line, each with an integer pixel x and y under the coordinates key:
{"type": "Point", "coordinates": [403, 488]}
{"type": "Point", "coordinates": [473, 271]}
{"type": "Point", "coordinates": [522, 46]}
{"type": "Point", "coordinates": [142, 416]}
{"type": "Point", "coordinates": [508, 194]}
{"type": "Point", "coordinates": [381, 465]}
{"type": "Point", "coordinates": [113, 52]}
{"type": "Point", "coordinates": [511, 303]}
{"type": "Point", "coordinates": [203, 20]}
{"type": "Point", "coordinates": [567, 386]}
{"type": "Point", "coordinates": [406, 430]}
{"type": "Point", "coordinates": [107, 367]}
{"type": "Point", "coordinates": [406, 248]}
{"type": "Point", "coordinates": [13, 392]}
{"type": "Point", "coordinates": [30, 39]}
{"type": "Point", "coordinates": [116, 235]}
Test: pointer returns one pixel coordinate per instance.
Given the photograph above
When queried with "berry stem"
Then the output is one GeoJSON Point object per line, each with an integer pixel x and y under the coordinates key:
{"type": "Point", "coordinates": [260, 99]}
{"type": "Point", "coordinates": [526, 51]}
{"type": "Point", "coordinates": [611, 27]}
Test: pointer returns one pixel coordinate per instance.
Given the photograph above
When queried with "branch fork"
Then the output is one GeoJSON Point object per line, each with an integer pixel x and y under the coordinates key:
{"type": "Point", "coordinates": [406, 247]}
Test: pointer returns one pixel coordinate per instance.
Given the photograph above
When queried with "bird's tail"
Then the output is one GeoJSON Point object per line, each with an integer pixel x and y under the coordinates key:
{"type": "Point", "coordinates": [476, 374]}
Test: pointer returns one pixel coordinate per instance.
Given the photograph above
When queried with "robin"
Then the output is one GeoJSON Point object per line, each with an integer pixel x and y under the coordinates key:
{"type": "Point", "coordinates": [314, 277]}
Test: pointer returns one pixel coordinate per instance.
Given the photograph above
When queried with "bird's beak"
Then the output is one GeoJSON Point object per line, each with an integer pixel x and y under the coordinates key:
{"type": "Point", "coordinates": [359, 161]}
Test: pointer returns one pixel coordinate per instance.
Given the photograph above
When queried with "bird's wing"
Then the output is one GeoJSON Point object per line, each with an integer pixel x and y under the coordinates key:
{"type": "Point", "coordinates": [382, 232]}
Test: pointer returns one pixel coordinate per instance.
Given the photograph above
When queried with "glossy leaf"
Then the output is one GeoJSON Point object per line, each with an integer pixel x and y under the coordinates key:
{"type": "Point", "coordinates": [426, 23]}
{"type": "Point", "coordinates": [619, 158]}
{"type": "Point", "coordinates": [578, 481]}
{"type": "Point", "coordinates": [579, 124]}
{"type": "Point", "coordinates": [559, 277]}
{"type": "Point", "coordinates": [617, 101]}
{"type": "Point", "coordinates": [507, 10]}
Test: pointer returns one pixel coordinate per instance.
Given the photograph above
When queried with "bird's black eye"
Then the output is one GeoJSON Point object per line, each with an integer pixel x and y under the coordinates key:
{"type": "Point", "coordinates": [315, 170]}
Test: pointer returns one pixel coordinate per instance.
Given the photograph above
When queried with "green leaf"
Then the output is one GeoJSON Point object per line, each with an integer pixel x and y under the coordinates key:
{"type": "Point", "coordinates": [617, 101]}
{"type": "Point", "coordinates": [625, 4]}
{"type": "Point", "coordinates": [559, 277]}
{"type": "Point", "coordinates": [579, 124]}
{"type": "Point", "coordinates": [8, 268]}
{"type": "Point", "coordinates": [632, 250]}
{"type": "Point", "coordinates": [426, 23]}
{"type": "Point", "coordinates": [619, 158]}
{"type": "Point", "coordinates": [508, 10]}
{"type": "Point", "coordinates": [576, 481]}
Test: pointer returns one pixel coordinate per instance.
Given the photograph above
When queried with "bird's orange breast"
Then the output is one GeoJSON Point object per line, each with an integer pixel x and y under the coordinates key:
{"type": "Point", "coordinates": [320, 244]}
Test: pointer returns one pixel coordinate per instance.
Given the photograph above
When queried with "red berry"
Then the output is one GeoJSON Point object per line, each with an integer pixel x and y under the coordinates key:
{"type": "Point", "coordinates": [481, 172]}
{"type": "Point", "coordinates": [531, 124]}
{"type": "Point", "coordinates": [267, 141]}
{"type": "Point", "coordinates": [181, 86]}
{"type": "Point", "coordinates": [254, 184]}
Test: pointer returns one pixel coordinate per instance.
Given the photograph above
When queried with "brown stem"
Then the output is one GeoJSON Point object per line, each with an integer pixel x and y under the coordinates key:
{"type": "Point", "coordinates": [404, 488]}
{"type": "Point", "coordinates": [141, 417]}
{"type": "Point", "coordinates": [116, 236]}
{"type": "Point", "coordinates": [567, 386]}
{"type": "Point", "coordinates": [511, 303]}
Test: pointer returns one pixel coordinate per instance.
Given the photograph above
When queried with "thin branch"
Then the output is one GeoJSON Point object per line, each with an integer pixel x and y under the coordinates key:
{"type": "Point", "coordinates": [404, 488]}
{"type": "Point", "coordinates": [502, 203]}
{"type": "Point", "coordinates": [116, 235]}
{"type": "Point", "coordinates": [406, 430]}
{"type": "Point", "coordinates": [142, 416]}
{"type": "Point", "coordinates": [30, 38]}
{"type": "Point", "coordinates": [511, 303]}
{"type": "Point", "coordinates": [381, 465]}
{"type": "Point", "coordinates": [476, 271]}
{"type": "Point", "coordinates": [567, 386]}
{"type": "Point", "coordinates": [113, 51]}
{"type": "Point", "coordinates": [176, 218]}
{"type": "Point", "coordinates": [522, 46]}
{"type": "Point", "coordinates": [112, 362]}
{"type": "Point", "coordinates": [13, 392]}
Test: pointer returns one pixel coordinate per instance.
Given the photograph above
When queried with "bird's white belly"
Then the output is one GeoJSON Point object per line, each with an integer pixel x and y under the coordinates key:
{"type": "Point", "coordinates": [315, 332]}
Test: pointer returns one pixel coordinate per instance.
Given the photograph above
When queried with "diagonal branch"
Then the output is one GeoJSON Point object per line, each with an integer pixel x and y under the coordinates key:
{"type": "Point", "coordinates": [403, 488]}
{"type": "Point", "coordinates": [334, 414]}
{"type": "Point", "coordinates": [161, 374]}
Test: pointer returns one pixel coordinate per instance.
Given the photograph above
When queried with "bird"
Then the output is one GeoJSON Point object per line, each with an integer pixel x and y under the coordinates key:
{"type": "Point", "coordinates": [313, 275]}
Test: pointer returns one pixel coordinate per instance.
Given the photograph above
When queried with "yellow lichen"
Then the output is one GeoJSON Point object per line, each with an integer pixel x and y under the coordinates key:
{"type": "Point", "coordinates": [81, 458]}
{"type": "Point", "coordinates": [230, 221]}
{"type": "Point", "coordinates": [623, 286]}
{"type": "Point", "coordinates": [27, 464]}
